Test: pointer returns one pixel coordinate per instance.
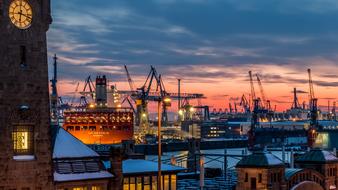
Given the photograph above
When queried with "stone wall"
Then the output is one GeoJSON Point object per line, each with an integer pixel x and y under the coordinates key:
{"type": "Point", "coordinates": [265, 183]}
{"type": "Point", "coordinates": [25, 85]}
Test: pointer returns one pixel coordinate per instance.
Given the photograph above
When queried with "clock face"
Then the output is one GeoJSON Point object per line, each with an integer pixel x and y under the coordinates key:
{"type": "Point", "coordinates": [21, 14]}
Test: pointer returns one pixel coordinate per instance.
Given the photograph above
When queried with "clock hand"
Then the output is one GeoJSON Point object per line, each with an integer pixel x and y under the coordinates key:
{"type": "Point", "coordinates": [20, 13]}
{"type": "Point", "coordinates": [25, 15]}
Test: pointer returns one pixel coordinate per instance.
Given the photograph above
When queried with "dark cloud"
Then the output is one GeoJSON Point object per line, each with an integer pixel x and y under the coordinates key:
{"type": "Point", "coordinates": [300, 91]}
{"type": "Point", "coordinates": [197, 40]}
{"type": "Point", "coordinates": [234, 98]}
{"type": "Point", "coordinates": [280, 101]}
{"type": "Point", "coordinates": [329, 75]}
{"type": "Point", "coordinates": [328, 98]}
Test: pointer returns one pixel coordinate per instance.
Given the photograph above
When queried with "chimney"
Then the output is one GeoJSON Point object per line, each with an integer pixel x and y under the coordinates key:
{"type": "Point", "coordinates": [116, 158]}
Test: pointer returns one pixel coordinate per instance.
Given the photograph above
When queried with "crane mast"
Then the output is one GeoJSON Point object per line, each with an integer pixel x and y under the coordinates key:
{"type": "Point", "coordinates": [295, 104]}
{"type": "Point", "coordinates": [130, 81]}
{"type": "Point", "coordinates": [244, 102]}
{"type": "Point", "coordinates": [334, 111]}
{"type": "Point", "coordinates": [253, 94]}
{"type": "Point", "coordinates": [311, 91]}
{"type": "Point", "coordinates": [312, 131]}
{"type": "Point", "coordinates": [262, 92]}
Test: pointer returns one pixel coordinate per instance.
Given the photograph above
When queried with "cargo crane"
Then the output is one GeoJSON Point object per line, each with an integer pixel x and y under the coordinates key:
{"type": "Point", "coordinates": [87, 92]}
{"type": "Point", "coordinates": [334, 111]}
{"type": "Point", "coordinates": [74, 95]}
{"type": "Point", "coordinates": [253, 94]}
{"type": "Point", "coordinates": [130, 81]}
{"type": "Point", "coordinates": [254, 124]}
{"type": "Point", "coordinates": [312, 132]}
{"type": "Point", "coordinates": [128, 97]}
{"type": "Point", "coordinates": [230, 108]}
{"type": "Point", "coordinates": [141, 96]}
{"type": "Point", "coordinates": [295, 104]}
{"type": "Point", "coordinates": [311, 90]}
{"type": "Point", "coordinates": [263, 97]}
{"type": "Point", "coordinates": [245, 104]}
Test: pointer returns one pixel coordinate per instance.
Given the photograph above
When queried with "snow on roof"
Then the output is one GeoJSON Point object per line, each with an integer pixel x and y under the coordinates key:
{"type": "Point", "coordinates": [68, 146]}
{"type": "Point", "coordinates": [81, 176]}
{"type": "Point", "coordinates": [260, 159]}
{"type": "Point", "coordinates": [317, 155]}
{"type": "Point", "coordinates": [132, 166]}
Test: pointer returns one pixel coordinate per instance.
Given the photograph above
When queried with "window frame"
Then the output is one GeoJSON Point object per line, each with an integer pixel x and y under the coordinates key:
{"type": "Point", "coordinates": [23, 127]}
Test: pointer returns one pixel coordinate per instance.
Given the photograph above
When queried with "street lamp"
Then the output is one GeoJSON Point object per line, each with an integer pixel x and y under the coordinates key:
{"type": "Point", "coordinates": [166, 101]}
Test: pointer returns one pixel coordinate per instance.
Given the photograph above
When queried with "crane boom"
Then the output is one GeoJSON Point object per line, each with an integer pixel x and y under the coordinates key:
{"type": "Point", "coordinates": [262, 91]}
{"type": "Point", "coordinates": [76, 90]}
{"type": "Point", "coordinates": [244, 102]}
{"type": "Point", "coordinates": [130, 81]}
{"type": "Point", "coordinates": [253, 94]}
{"type": "Point", "coordinates": [311, 91]}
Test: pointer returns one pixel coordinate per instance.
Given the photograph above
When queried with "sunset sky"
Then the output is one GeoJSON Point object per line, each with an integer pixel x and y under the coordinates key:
{"type": "Point", "coordinates": [210, 44]}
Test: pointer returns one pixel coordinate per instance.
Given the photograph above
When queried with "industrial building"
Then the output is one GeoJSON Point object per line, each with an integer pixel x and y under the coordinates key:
{"type": "Point", "coordinates": [314, 170]}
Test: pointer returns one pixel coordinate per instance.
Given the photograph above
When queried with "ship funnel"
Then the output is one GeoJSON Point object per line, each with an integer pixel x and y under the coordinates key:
{"type": "Point", "coordinates": [101, 91]}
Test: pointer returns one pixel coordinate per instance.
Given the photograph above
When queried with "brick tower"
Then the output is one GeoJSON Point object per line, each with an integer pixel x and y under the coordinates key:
{"type": "Point", "coordinates": [25, 140]}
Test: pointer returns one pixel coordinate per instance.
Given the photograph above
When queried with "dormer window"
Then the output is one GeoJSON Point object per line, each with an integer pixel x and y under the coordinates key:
{"type": "Point", "coordinates": [23, 138]}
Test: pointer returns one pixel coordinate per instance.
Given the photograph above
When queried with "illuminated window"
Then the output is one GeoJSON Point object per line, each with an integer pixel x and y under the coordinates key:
{"type": "Point", "coordinates": [97, 188]}
{"type": "Point", "coordinates": [79, 188]}
{"type": "Point", "coordinates": [166, 182]}
{"type": "Point", "coordinates": [146, 183]}
{"type": "Point", "coordinates": [22, 137]}
{"type": "Point", "coordinates": [139, 182]}
{"type": "Point", "coordinates": [154, 182]}
{"type": "Point", "coordinates": [126, 183]}
{"type": "Point", "coordinates": [132, 183]}
{"type": "Point", "coordinates": [173, 182]}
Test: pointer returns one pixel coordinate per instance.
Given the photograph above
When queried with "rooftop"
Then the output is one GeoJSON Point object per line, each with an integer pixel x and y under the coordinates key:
{"type": "Point", "coordinates": [317, 156]}
{"type": "Point", "coordinates": [260, 159]}
{"type": "Point", "coordinates": [68, 146]}
{"type": "Point", "coordinates": [81, 176]}
{"type": "Point", "coordinates": [134, 166]}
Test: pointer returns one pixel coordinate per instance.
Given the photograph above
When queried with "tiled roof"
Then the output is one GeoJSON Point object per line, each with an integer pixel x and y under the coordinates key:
{"type": "Point", "coordinates": [317, 156]}
{"type": "Point", "coordinates": [260, 159]}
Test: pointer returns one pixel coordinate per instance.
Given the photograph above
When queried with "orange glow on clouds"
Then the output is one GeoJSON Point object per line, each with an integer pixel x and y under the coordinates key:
{"type": "Point", "coordinates": [278, 83]}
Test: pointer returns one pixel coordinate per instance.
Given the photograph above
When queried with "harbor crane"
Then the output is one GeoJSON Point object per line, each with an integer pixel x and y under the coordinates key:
{"type": "Point", "coordinates": [74, 95]}
{"type": "Point", "coordinates": [152, 90]}
{"type": "Point", "coordinates": [253, 94]}
{"type": "Point", "coordinates": [295, 104]}
{"type": "Point", "coordinates": [130, 81]}
{"type": "Point", "coordinates": [245, 104]}
{"type": "Point", "coordinates": [314, 126]}
{"type": "Point", "coordinates": [88, 91]}
{"type": "Point", "coordinates": [57, 105]}
{"type": "Point", "coordinates": [334, 111]}
{"type": "Point", "coordinates": [264, 101]}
